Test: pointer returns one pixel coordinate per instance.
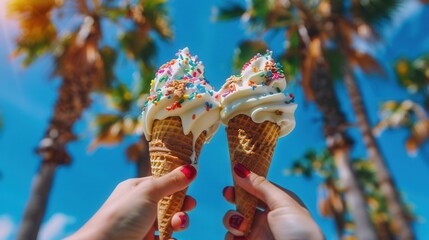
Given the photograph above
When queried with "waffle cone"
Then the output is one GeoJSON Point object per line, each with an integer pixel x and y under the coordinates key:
{"type": "Point", "coordinates": [251, 144]}
{"type": "Point", "coordinates": [170, 148]}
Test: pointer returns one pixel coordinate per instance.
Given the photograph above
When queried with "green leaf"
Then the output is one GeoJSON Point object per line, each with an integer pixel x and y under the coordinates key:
{"type": "Point", "coordinates": [232, 11]}
{"type": "Point", "coordinates": [121, 98]}
{"type": "Point", "coordinates": [413, 74]}
{"type": "Point", "coordinates": [109, 57]}
{"type": "Point", "coordinates": [113, 13]}
{"type": "Point", "coordinates": [138, 46]}
{"type": "Point", "coordinates": [147, 73]}
{"type": "Point", "coordinates": [375, 12]}
{"type": "Point", "coordinates": [246, 50]}
{"type": "Point", "coordinates": [336, 61]}
{"type": "Point", "coordinates": [156, 14]}
{"type": "Point", "coordinates": [291, 59]}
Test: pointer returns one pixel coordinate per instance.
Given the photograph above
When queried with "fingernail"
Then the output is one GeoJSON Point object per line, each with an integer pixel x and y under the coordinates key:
{"type": "Point", "coordinates": [235, 221]}
{"type": "Point", "coordinates": [241, 170]}
{"type": "Point", "coordinates": [183, 221]}
{"type": "Point", "coordinates": [240, 238]}
{"type": "Point", "coordinates": [224, 190]}
{"type": "Point", "coordinates": [189, 171]}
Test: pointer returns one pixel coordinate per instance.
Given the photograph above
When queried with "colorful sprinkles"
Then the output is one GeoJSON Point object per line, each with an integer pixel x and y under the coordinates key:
{"type": "Point", "coordinates": [271, 71]}
{"type": "Point", "coordinates": [184, 84]}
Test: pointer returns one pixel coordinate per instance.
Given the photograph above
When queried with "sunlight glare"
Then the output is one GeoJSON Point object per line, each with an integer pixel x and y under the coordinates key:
{"type": "Point", "coordinates": [8, 29]}
{"type": "Point", "coordinates": [7, 25]}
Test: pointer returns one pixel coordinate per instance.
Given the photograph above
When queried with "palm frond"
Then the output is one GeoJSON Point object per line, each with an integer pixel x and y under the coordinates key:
{"type": "Point", "coordinates": [120, 98]}
{"type": "Point", "coordinates": [291, 59]}
{"type": "Point", "coordinates": [366, 62]}
{"type": "Point", "coordinates": [155, 12]}
{"type": "Point", "coordinates": [375, 12]}
{"type": "Point", "coordinates": [229, 12]}
{"type": "Point", "coordinates": [108, 56]}
{"type": "Point", "coordinates": [38, 32]}
{"type": "Point", "coordinates": [413, 74]}
{"type": "Point", "coordinates": [111, 129]}
{"type": "Point", "coordinates": [246, 50]}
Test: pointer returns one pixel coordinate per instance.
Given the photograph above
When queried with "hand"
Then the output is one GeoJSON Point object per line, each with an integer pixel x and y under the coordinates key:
{"type": "Point", "coordinates": [283, 215]}
{"type": "Point", "coordinates": [131, 210]}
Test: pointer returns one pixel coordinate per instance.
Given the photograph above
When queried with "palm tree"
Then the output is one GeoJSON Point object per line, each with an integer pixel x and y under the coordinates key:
{"type": "Point", "coordinates": [339, 143]}
{"type": "Point", "coordinates": [140, 47]}
{"type": "Point", "coordinates": [114, 127]}
{"type": "Point", "coordinates": [335, 25]}
{"type": "Point", "coordinates": [409, 115]}
{"type": "Point", "coordinates": [414, 76]}
{"type": "Point", "coordinates": [331, 202]}
{"type": "Point", "coordinates": [401, 223]}
{"type": "Point", "coordinates": [93, 73]}
{"type": "Point", "coordinates": [37, 37]}
{"type": "Point", "coordinates": [320, 89]}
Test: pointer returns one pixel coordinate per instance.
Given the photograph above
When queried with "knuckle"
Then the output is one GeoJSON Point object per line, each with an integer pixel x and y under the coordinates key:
{"type": "Point", "coordinates": [175, 179]}
{"type": "Point", "coordinates": [258, 181]}
{"type": "Point", "coordinates": [149, 186]}
{"type": "Point", "coordinates": [127, 183]}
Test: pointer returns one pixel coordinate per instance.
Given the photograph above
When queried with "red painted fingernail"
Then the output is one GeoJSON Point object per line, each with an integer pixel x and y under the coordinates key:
{"type": "Point", "coordinates": [240, 238]}
{"type": "Point", "coordinates": [241, 170]}
{"type": "Point", "coordinates": [189, 171]}
{"type": "Point", "coordinates": [183, 221]}
{"type": "Point", "coordinates": [235, 221]}
{"type": "Point", "coordinates": [224, 190]}
{"type": "Point", "coordinates": [233, 193]}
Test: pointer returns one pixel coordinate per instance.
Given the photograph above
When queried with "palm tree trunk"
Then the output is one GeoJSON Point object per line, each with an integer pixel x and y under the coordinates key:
{"type": "Point", "coordinates": [353, 195]}
{"type": "Point", "coordinates": [401, 223]}
{"type": "Point", "coordinates": [339, 144]}
{"type": "Point", "coordinates": [143, 163]}
{"type": "Point", "coordinates": [80, 69]}
{"type": "Point", "coordinates": [73, 99]}
{"type": "Point", "coordinates": [338, 212]}
{"type": "Point", "coordinates": [37, 203]}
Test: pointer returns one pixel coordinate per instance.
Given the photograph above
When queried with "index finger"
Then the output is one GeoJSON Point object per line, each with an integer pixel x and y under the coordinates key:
{"type": "Point", "coordinates": [261, 188]}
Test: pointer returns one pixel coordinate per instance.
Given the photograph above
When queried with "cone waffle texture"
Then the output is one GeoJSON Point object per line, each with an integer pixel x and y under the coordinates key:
{"type": "Point", "coordinates": [251, 144]}
{"type": "Point", "coordinates": [170, 148]}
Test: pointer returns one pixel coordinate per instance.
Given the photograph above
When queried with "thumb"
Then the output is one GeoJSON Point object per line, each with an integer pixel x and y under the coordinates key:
{"type": "Point", "coordinates": [261, 188]}
{"type": "Point", "coordinates": [174, 181]}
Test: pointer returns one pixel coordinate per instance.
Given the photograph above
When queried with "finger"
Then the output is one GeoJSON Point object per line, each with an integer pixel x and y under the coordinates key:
{"type": "Point", "coordinates": [189, 204]}
{"type": "Point", "coordinates": [150, 235]}
{"type": "Point", "coordinates": [261, 188]}
{"type": "Point", "coordinates": [230, 236]}
{"type": "Point", "coordinates": [235, 223]}
{"type": "Point", "coordinates": [180, 221]}
{"type": "Point", "coordinates": [229, 195]}
{"type": "Point", "coordinates": [292, 195]}
{"type": "Point", "coordinates": [176, 180]}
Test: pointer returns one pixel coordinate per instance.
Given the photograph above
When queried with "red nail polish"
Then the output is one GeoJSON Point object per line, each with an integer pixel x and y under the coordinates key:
{"type": "Point", "coordinates": [241, 170]}
{"type": "Point", "coordinates": [233, 192]}
{"type": "Point", "coordinates": [189, 171]}
{"type": "Point", "coordinates": [235, 221]}
{"type": "Point", "coordinates": [183, 221]}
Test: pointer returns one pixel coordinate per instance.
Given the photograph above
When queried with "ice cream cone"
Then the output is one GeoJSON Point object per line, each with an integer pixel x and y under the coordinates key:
{"type": "Point", "coordinates": [170, 148]}
{"type": "Point", "coordinates": [251, 144]}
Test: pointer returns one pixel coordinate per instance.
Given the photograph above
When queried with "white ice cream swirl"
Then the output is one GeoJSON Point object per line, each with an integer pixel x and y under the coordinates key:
{"type": "Point", "coordinates": [258, 93]}
{"type": "Point", "coordinates": [180, 89]}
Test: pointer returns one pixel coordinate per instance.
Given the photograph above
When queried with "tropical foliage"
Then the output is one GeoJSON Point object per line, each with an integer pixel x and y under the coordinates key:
{"type": "Point", "coordinates": [324, 33]}
{"type": "Point", "coordinates": [39, 22]}
{"type": "Point", "coordinates": [331, 202]}
{"type": "Point", "coordinates": [409, 115]}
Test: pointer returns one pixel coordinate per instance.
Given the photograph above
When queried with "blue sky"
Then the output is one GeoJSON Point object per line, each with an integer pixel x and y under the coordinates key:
{"type": "Point", "coordinates": [27, 97]}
